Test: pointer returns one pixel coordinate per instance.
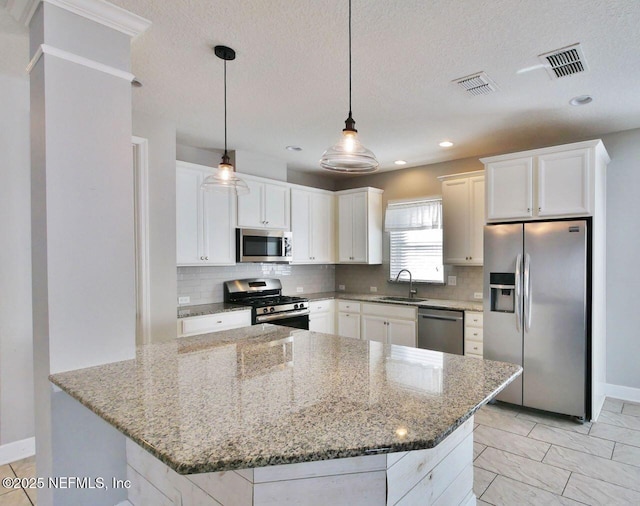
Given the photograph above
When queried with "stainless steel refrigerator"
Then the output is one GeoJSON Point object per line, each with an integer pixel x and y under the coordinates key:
{"type": "Point", "coordinates": [536, 304]}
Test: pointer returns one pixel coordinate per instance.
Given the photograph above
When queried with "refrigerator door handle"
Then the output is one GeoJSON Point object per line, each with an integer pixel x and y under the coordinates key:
{"type": "Point", "coordinates": [518, 301]}
{"type": "Point", "coordinates": [527, 292]}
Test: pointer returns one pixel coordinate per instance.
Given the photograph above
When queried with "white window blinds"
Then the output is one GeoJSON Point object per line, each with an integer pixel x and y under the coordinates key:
{"type": "Point", "coordinates": [415, 231]}
{"type": "Point", "coordinates": [415, 215]}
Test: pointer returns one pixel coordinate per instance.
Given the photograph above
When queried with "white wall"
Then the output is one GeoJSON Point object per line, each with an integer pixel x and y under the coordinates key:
{"type": "Point", "coordinates": [623, 266]}
{"type": "Point", "coordinates": [162, 222]}
{"type": "Point", "coordinates": [200, 156]}
{"type": "Point", "coordinates": [16, 350]}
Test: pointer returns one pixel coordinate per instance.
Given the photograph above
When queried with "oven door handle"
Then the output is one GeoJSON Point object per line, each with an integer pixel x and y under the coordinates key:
{"type": "Point", "coordinates": [280, 316]}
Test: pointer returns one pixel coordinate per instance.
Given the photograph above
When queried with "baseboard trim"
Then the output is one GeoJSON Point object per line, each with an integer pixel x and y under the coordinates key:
{"type": "Point", "coordinates": [17, 450]}
{"type": "Point", "coordinates": [623, 393]}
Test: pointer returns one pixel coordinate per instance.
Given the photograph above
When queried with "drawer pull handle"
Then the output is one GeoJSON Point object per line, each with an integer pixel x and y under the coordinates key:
{"type": "Point", "coordinates": [219, 321]}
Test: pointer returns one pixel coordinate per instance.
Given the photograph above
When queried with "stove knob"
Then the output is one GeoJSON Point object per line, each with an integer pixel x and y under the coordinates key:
{"type": "Point", "coordinates": [272, 309]}
{"type": "Point", "coordinates": [295, 306]}
{"type": "Point", "coordinates": [302, 305]}
{"type": "Point", "coordinates": [265, 310]}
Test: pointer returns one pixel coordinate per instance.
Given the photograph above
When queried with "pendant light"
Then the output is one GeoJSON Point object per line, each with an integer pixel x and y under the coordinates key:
{"type": "Point", "coordinates": [225, 179]}
{"type": "Point", "coordinates": [348, 155]}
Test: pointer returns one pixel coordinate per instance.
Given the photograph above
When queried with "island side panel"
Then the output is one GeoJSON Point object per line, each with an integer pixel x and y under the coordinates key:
{"type": "Point", "coordinates": [439, 476]}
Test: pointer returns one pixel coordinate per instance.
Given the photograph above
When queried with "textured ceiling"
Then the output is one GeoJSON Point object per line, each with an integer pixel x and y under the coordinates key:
{"type": "Point", "coordinates": [288, 84]}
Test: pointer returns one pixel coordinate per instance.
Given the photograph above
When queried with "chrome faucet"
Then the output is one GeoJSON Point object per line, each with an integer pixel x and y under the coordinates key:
{"type": "Point", "coordinates": [412, 292]}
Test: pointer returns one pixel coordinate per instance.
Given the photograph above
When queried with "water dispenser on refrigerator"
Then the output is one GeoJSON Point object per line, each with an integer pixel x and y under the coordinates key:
{"type": "Point", "coordinates": [502, 285]}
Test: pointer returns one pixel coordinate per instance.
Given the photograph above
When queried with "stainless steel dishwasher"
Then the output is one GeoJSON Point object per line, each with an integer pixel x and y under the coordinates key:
{"type": "Point", "coordinates": [441, 330]}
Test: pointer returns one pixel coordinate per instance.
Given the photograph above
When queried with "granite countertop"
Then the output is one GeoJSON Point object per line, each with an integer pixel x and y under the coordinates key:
{"type": "Point", "coordinates": [461, 305]}
{"type": "Point", "coordinates": [269, 395]}
{"type": "Point", "coordinates": [204, 309]}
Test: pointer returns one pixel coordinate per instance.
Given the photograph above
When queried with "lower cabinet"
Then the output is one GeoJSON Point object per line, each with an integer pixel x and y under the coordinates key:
{"type": "Point", "coordinates": [389, 324]}
{"type": "Point", "coordinates": [194, 325]}
{"type": "Point", "coordinates": [322, 316]}
{"type": "Point", "coordinates": [349, 319]}
{"type": "Point", "coordinates": [473, 338]}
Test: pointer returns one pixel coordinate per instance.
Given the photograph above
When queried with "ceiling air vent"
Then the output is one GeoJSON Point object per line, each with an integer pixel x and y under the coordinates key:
{"type": "Point", "coordinates": [477, 84]}
{"type": "Point", "coordinates": [564, 62]}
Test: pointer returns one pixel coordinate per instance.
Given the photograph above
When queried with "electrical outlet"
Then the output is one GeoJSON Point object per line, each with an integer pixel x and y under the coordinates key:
{"type": "Point", "coordinates": [184, 300]}
{"type": "Point", "coordinates": [452, 280]}
{"type": "Point", "coordinates": [341, 288]}
{"type": "Point", "coordinates": [373, 288]}
{"type": "Point", "coordinates": [299, 289]}
{"type": "Point", "coordinates": [477, 295]}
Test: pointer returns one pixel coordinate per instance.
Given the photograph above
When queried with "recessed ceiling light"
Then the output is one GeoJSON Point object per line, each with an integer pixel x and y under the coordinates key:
{"type": "Point", "coordinates": [581, 100]}
{"type": "Point", "coordinates": [446, 144]}
{"type": "Point", "coordinates": [400, 162]}
{"type": "Point", "coordinates": [293, 148]}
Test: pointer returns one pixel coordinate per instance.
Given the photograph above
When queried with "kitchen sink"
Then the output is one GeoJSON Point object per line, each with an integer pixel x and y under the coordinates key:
{"type": "Point", "coordinates": [402, 299]}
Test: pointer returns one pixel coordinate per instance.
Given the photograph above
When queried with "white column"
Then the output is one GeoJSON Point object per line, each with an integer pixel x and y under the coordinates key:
{"type": "Point", "coordinates": [82, 229]}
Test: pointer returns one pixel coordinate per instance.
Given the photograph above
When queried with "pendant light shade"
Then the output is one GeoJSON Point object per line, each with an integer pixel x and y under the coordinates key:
{"type": "Point", "coordinates": [349, 155]}
{"type": "Point", "coordinates": [225, 179]}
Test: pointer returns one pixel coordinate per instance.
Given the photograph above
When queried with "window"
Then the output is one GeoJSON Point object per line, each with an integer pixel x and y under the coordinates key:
{"type": "Point", "coordinates": [415, 231]}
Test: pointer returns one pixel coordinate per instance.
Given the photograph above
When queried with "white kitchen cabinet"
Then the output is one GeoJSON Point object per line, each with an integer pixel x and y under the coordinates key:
{"type": "Point", "coordinates": [374, 328]}
{"type": "Point", "coordinates": [555, 182]}
{"type": "Point", "coordinates": [463, 218]}
{"type": "Point", "coordinates": [203, 324]}
{"type": "Point", "coordinates": [388, 323]}
{"type": "Point", "coordinates": [349, 319]}
{"type": "Point", "coordinates": [563, 183]}
{"type": "Point", "coordinates": [322, 316]}
{"type": "Point", "coordinates": [360, 226]}
{"type": "Point", "coordinates": [205, 221]}
{"type": "Point", "coordinates": [313, 226]}
{"type": "Point", "coordinates": [267, 205]}
{"type": "Point", "coordinates": [473, 338]}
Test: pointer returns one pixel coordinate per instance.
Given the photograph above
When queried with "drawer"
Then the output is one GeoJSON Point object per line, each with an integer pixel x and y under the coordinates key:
{"type": "Point", "coordinates": [473, 319]}
{"type": "Point", "coordinates": [473, 334]}
{"type": "Point", "coordinates": [390, 311]}
{"type": "Point", "coordinates": [472, 347]}
{"type": "Point", "coordinates": [214, 322]}
{"type": "Point", "coordinates": [348, 306]}
{"type": "Point", "coordinates": [321, 306]}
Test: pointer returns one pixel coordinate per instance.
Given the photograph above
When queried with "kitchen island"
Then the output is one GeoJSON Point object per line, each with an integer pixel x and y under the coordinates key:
{"type": "Point", "coordinates": [273, 415]}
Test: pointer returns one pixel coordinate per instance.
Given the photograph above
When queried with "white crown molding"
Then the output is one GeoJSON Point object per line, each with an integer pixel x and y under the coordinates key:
{"type": "Point", "coordinates": [99, 11]}
{"type": "Point", "coordinates": [80, 60]}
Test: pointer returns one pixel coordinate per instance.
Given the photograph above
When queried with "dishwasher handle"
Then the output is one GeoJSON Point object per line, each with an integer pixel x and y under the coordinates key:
{"type": "Point", "coordinates": [438, 317]}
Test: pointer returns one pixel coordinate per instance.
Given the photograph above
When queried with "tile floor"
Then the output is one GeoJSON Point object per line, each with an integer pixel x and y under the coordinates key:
{"type": "Point", "coordinates": [528, 458]}
{"type": "Point", "coordinates": [25, 468]}
{"type": "Point", "coordinates": [521, 458]}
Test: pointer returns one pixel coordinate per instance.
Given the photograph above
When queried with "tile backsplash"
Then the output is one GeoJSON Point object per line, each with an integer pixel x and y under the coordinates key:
{"type": "Point", "coordinates": [204, 284]}
{"type": "Point", "coordinates": [359, 279]}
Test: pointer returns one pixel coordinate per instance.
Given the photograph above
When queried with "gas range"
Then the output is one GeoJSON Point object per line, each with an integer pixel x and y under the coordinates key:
{"type": "Point", "coordinates": [268, 304]}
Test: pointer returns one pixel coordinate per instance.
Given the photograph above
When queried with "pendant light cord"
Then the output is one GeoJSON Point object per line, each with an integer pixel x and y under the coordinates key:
{"type": "Point", "coordinates": [349, 57]}
{"type": "Point", "coordinates": [225, 107]}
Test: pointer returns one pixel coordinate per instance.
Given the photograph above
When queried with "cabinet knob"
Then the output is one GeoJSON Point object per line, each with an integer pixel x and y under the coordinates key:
{"type": "Point", "coordinates": [528, 209]}
{"type": "Point", "coordinates": [539, 209]}
{"type": "Point", "coordinates": [206, 258]}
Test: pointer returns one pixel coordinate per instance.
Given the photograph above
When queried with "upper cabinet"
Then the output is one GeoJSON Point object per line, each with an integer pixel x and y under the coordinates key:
{"type": "Point", "coordinates": [205, 221]}
{"type": "Point", "coordinates": [267, 205]}
{"type": "Point", "coordinates": [463, 218]}
{"type": "Point", "coordinates": [313, 226]}
{"type": "Point", "coordinates": [360, 226]}
{"type": "Point", "coordinates": [554, 182]}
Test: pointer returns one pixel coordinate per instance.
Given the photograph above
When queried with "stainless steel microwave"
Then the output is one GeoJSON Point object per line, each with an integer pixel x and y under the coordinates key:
{"type": "Point", "coordinates": [254, 245]}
